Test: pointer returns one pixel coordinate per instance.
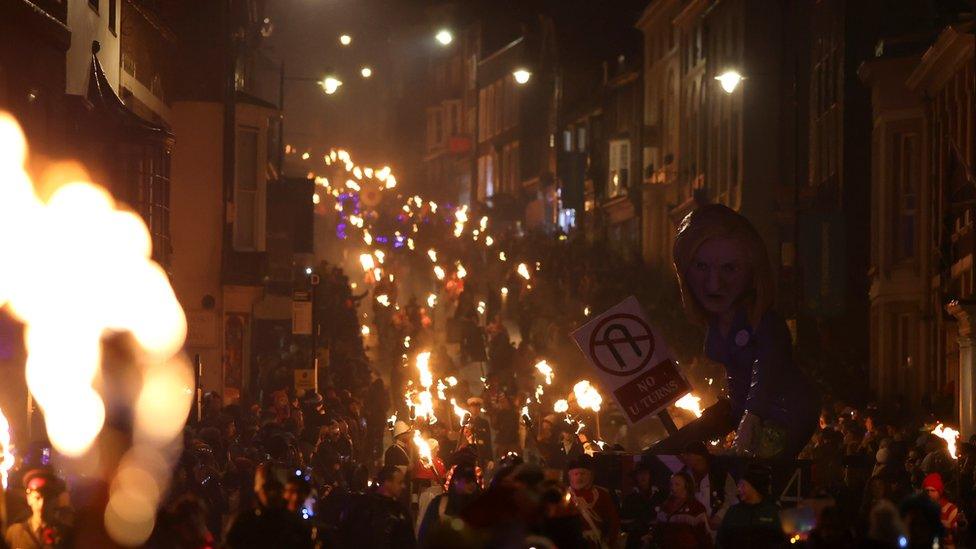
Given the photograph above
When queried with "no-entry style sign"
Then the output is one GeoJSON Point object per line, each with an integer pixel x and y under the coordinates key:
{"type": "Point", "coordinates": [632, 360]}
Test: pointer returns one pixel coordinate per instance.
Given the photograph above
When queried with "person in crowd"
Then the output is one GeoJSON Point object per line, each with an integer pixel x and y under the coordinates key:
{"type": "Point", "coordinates": [463, 488]}
{"type": "Point", "coordinates": [296, 492]}
{"type": "Point", "coordinates": [398, 454]}
{"type": "Point", "coordinates": [754, 521]}
{"type": "Point", "coordinates": [727, 285]}
{"type": "Point", "coordinates": [949, 515]}
{"type": "Point", "coordinates": [506, 423]}
{"type": "Point", "coordinates": [713, 486]}
{"type": "Point", "coordinates": [269, 523]}
{"type": "Point", "coordinates": [42, 529]}
{"type": "Point", "coordinates": [599, 518]}
{"type": "Point", "coordinates": [682, 521]}
{"type": "Point", "coordinates": [379, 520]}
{"type": "Point", "coordinates": [480, 430]}
{"type": "Point", "coordinates": [637, 513]}
{"type": "Point", "coordinates": [922, 521]}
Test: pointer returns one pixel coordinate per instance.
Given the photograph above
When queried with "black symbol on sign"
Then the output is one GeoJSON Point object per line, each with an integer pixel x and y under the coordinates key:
{"type": "Point", "coordinates": [622, 333]}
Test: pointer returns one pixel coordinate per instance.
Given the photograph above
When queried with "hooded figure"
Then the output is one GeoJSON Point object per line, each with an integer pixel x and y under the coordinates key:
{"type": "Point", "coordinates": [727, 286]}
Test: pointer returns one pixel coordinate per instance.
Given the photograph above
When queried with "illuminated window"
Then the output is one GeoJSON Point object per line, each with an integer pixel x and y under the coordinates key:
{"type": "Point", "coordinates": [618, 177]}
{"type": "Point", "coordinates": [246, 196]}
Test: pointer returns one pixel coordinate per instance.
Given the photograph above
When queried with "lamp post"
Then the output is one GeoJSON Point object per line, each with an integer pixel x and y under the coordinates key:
{"type": "Point", "coordinates": [330, 85]}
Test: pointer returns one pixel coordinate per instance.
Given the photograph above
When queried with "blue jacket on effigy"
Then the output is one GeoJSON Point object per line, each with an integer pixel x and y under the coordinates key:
{"type": "Point", "coordinates": [762, 377]}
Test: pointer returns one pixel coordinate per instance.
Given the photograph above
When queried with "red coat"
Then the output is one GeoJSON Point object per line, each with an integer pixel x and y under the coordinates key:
{"type": "Point", "coordinates": [597, 510]}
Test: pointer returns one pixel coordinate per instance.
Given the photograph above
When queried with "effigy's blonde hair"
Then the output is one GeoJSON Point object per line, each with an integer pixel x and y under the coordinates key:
{"type": "Point", "coordinates": [718, 221]}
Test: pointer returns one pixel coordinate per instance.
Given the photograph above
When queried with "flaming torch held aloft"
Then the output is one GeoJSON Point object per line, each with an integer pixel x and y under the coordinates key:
{"type": "Point", "coordinates": [545, 369]}
{"type": "Point", "coordinates": [948, 434]}
{"type": "Point", "coordinates": [588, 398]}
{"type": "Point", "coordinates": [691, 403]}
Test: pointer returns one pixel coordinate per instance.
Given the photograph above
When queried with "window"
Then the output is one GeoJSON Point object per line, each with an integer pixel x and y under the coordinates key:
{"type": "Point", "coordinates": [112, 16]}
{"type": "Point", "coordinates": [905, 168]}
{"type": "Point", "coordinates": [453, 123]}
{"type": "Point", "coordinates": [246, 197]}
{"type": "Point", "coordinates": [435, 128]}
{"type": "Point", "coordinates": [567, 141]}
{"type": "Point", "coordinates": [482, 114]}
{"type": "Point", "coordinates": [618, 181]}
{"type": "Point", "coordinates": [486, 183]}
{"type": "Point", "coordinates": [581, 139]}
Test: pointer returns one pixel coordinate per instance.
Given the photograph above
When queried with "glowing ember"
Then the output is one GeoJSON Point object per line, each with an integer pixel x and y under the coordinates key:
{"type": "Point", "coordinates": [523, 271]}
{"type": "Point", "coordinates": [439, 272]}
{"type": "Point", "coordinates": [545, 369]}
{"type": "Point", "coordinates": [502, 257]}
{"type": "Point", "coordinates": [948, 434]}
{"type": "Point", "coordinates": [587, 396]}
{"type": "Point", "coordinates": [561, 406]}
{"type": "Point", "coordinates": [504, 292]}
{"type": "Point", "coordinates": [380, 256]}
{"type": "Point", "coordinates": [364, 330]}
{"type": "Point", "coordinates": [691, 403]}
{"type": "Point", "coordinates": [383, 300]}
{"type": "Point", "coordinates": [539, 391]}
{"type": "Point", "coordinates": [431, 300]}
{"type": "Point", "coordinates": [461, 271]}
{"type": "Point", "coordinates": [489, 241]}
{"type": "Point", "coordinates": [481, 307]}
{"type": "Point", "coordinates": [432, 254]}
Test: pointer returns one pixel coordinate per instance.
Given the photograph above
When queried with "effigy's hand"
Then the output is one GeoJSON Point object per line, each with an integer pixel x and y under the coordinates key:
{"type": "Point", "coordinates": [746, 435]}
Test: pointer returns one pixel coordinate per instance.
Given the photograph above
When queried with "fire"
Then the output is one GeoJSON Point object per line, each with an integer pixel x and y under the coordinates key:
{"type": "Point", "coordinates": [587, 396]}
{"type": "Point", "coordinates": [432, 254]}
{"type": "Point", "coordinates": [423, 449]}
{"type": "Point", "coordinates": [440, 390]}
{"type": "Point", "coordinates": [561, 406]}
{"type": "Point", "coordinates": [461, 271]}
{"type": "Point", "coordinates": [114, 287]}
{"type": "Point", "coordinates": [431, 300]}
{"type": "Point", "coordinates": [459, 412]}
{"type": "Point", "coordinates": [423, 366]}
{"type": "Point", "coordinates": [439, 272]}
{"type": "Point", "coordinates": [539, 391]}
{"type": "Point", "coordinates": [523, 271]}
{"type": "Point", "coordinates": [948, 434]}
{"type": "Point", "coordinates": [7, 454]}
{"type": "Point", "coordinates": [481, 307]}
{"type": "Point", "coordinates": [366, 260]}
{"type": "Point", "coordinates": [545, 369]}
{"type": "Point", "coordinates": [383, 300]}
{"type": "Point", "coordinates": [451, 380]}
{"type": "Point", "coordinates": [691, 403]}
{"type": "Point", "coordinates": [364, 330]}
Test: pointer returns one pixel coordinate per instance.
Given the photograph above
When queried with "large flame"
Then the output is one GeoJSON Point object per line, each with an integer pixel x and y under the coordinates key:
{"type": "Point", "coordinates": [587, 397]}
{"type": "Point", "coordinates": [948, 434]}
{"type": "Point", "coordinates": [76, 267]}
{"type": "Point", "coordinates": [423, 449]}
{"type": "Point", "coordinates": [691, 403]}
{"type": "Point", "coordinates": [7, 451]}
{"type": "Point", "coordinates": [561, 406]}
{"type": "Point", "coordinates": [545, 369]}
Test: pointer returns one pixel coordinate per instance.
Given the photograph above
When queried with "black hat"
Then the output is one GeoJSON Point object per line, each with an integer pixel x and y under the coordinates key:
{"type": "Point", "coordinates": [582, 462]}
{"type": "Point", "coordinates": [759, 477]}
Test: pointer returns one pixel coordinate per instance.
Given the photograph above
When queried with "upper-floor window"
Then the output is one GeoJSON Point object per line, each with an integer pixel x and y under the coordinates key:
{"type": "Point", "coordinates": [113, 16]}
{"type": "Point", "coordinates": [435, 128]}
{"type": "Point", "coordinates": [247, 196]}
{"type": "Point", "coordinates": [619, 168]}
{"type": "Point", "coordinates": [905, 168]}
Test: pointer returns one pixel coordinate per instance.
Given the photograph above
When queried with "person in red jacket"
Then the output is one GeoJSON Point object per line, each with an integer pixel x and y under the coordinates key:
{"type": "Point", "coordinates": [682, 520]}
{"type": "Point", "coordinates": [949, 513]}
{"type": "Point", "coordinates": [598, 513]}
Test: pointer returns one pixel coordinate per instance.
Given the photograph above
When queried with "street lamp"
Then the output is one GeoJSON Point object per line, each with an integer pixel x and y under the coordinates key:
{"type": "Point", "coordinates": [522, 76]}
{"type": "Point", "coordinates": [730, 80]}
{"type": "Point", "coordinates": [444, 36]}
{"type": "Point", "coordinates": [366, 72]}
{"type": "Point", "coordinates": [345, 39]}
{"type": "Point", "coordinates": [330, 84]}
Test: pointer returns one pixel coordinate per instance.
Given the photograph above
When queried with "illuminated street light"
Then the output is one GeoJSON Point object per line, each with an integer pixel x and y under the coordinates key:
{"type": "Point", "coordinates": [330, 84]}
{"type": "Point", "coordinates": [366, 72]}
{"type": "Point", "coordinates": [729, 80]}
{"type": "Point", "coordinates": [444, 36]}
{"type": "Point", "coordinates": [345, 39]}
{"type": "Point", "coordinates": [521, 75]}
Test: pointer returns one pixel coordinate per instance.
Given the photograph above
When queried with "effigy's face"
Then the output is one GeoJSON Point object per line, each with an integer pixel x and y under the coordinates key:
{"type": "Point", "coordinates": [719, 275]}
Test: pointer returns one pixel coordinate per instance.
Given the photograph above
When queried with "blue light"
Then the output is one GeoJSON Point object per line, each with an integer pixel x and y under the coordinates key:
{"type": "Point", "coordinates": [902, 541]}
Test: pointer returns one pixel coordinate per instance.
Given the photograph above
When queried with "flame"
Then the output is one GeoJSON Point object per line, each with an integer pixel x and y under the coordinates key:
{"type": "Point", "coordinates": [7, 451]}
{"type": "Point", "coordinates": [545, 369]}
{"type": "Point", "coordinates": [481, 307]}
{"type": "Point", "coordinates": [461, 271]}
{"type": "Point", "coordinates": [488, 240]}
{"type": "Point", "coordinates": [432, 254]}
{"type": "Point", "coordinates": [439, 272]}
{"type": "Point", "coordinates": [366, 260]}
{"type": "Point", "coordinates": [587, 396]}
{"type": "Point", "coordinates": [383, 300]}
{"type": "Point", "coordinates": [561, 406]}
{"type": "Point", "coordinates": [423, 450]}
{"type": "Point", "coordinates": [380, 256]}
{"type": "Point", "coordinates": [523, 271]}
{"type": "Point", "coordinates": [451, 380]}
{"type": "Point", "coordinates": [502, 257]}
{"type": "Point", "coordinates": [423, 366]}
{"type": "Point", "coordinates": [113, 287]}
{"type": "Point", "coordinates": [459, 412]}
{"type": "Point", "coordinates": [364, 330]}
{"type": "Point", "coordinates": [504, 291]}
{"type": "Point", "coordinates": [691, 403]}
{"type": "Point", "coordinates": [440, 390]}
{"type": "Point", "coordinates": [538, 393]}
{"type": "Point", "coordinates": [431, 300]}
{"type": "Point", "coordinates": [948, 434]}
